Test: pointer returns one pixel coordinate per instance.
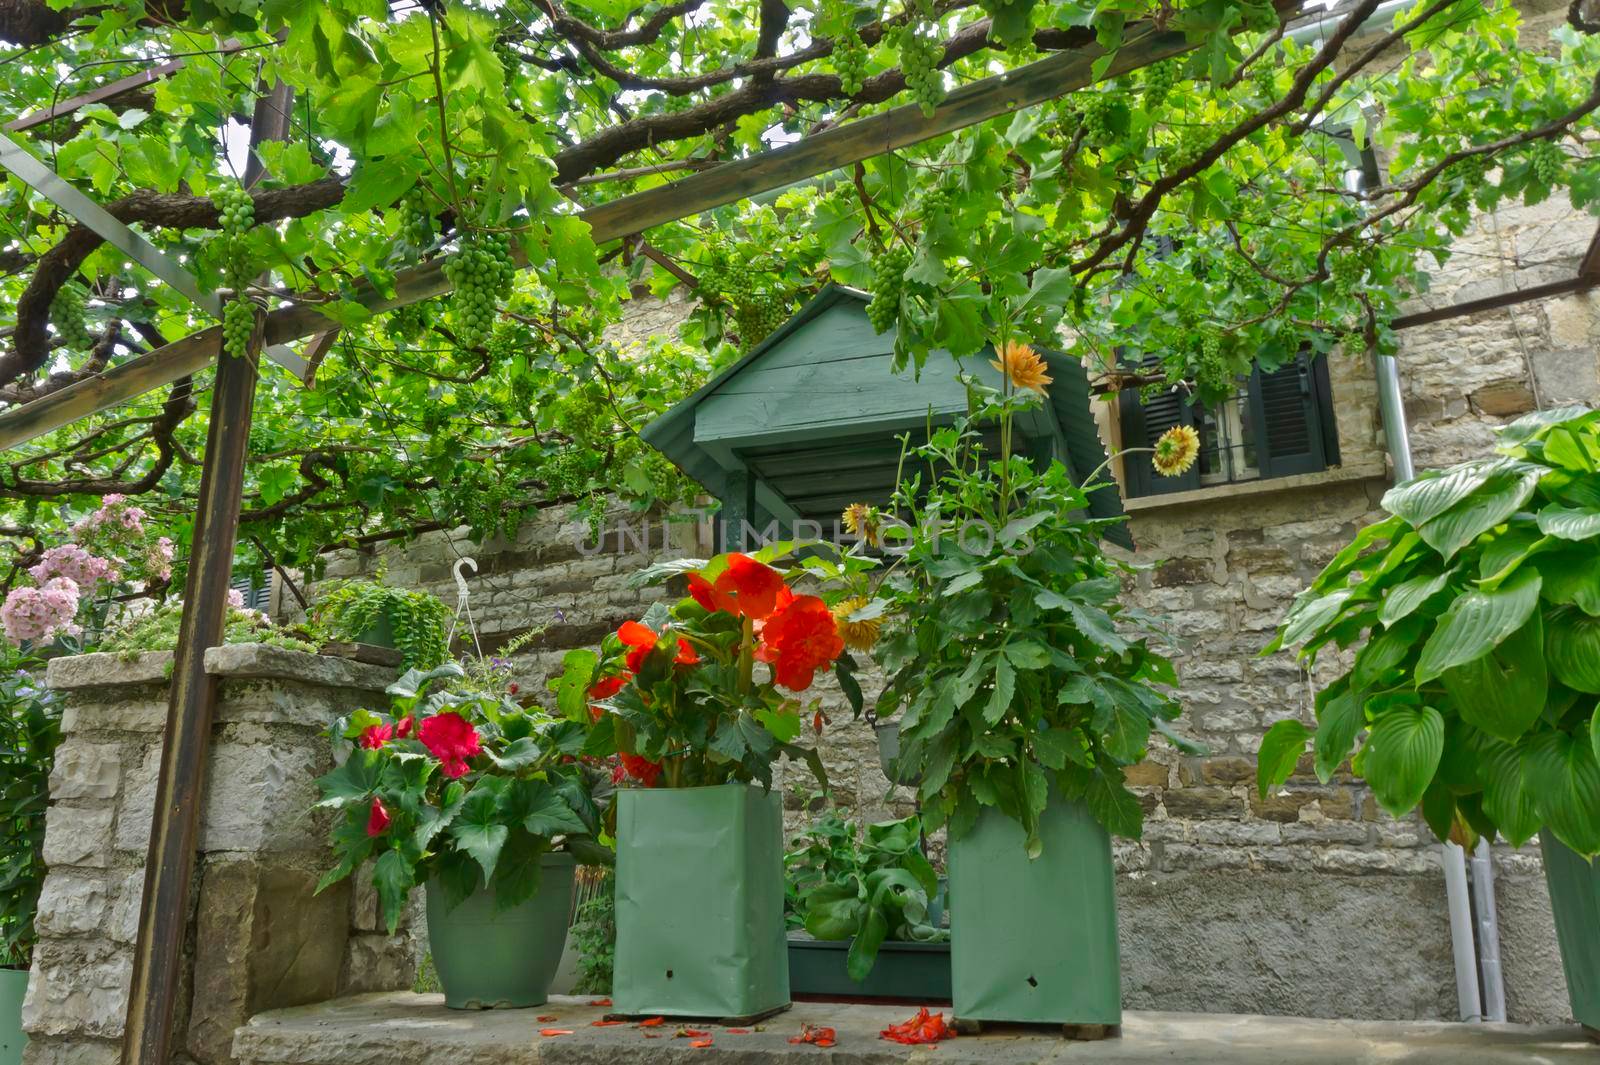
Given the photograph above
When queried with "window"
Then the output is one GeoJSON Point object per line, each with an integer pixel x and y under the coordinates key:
{"type": "Point", "coordinates": [256, 588]}
{"type": "Point", "coordinates": [1274, 425]}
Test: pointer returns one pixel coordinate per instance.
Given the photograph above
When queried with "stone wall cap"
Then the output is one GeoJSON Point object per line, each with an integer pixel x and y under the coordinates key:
{"type": "Point", "coordinates": [233, 661]}
{"type": "Point", "coordinates": [103, 669]}
{"type": "Point", "coordinates": [242, 660]}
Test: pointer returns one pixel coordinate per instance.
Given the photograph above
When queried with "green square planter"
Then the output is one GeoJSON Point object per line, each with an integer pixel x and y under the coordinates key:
{"type": "Point", "coordinates": [1575, 900]}
{"type": "Point", "coordinates": [1035, 942]}
{"type": "Point", "coordinates": [13, 986]}
{"type": "Point", "coordinates": [700, 903]}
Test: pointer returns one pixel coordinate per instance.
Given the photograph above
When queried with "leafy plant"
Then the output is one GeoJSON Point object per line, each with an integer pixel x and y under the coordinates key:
{"type": "Point", "coordinates": [30, 728]}
{"type": "Point", "coordinates": [462, 788]}
{"type": "Point", "coordinates": [1014, 667]}
{"type": "Point", "coordinates": [675, 696]}
{"type": "Point", "coordinates": [157, 630]}
{"type": "Point", "coordinates": [1477, 604]}
{"type": "Point", "coordinates": [351, 609]}
{"type": "Point", "coordinates": [869, 890]}
{"type": "Point", "coordinates": [594, 937]}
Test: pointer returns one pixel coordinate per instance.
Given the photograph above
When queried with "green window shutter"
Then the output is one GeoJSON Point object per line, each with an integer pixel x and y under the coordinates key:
{"type": "Point", "coordinates": [1143, 422]}
{"type": "Point", "coordinates": [1291, 414]}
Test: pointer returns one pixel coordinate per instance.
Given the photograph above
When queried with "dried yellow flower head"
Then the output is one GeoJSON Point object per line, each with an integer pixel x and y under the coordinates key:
{"type": "Point", "coordinates": [1023, 367]}
{"type": "Point", "coordinates": [1176, 450]}
{"type": "Point", "coordinates": [857, 635]}
{"type": "Point", "coordinates": [861, 520]}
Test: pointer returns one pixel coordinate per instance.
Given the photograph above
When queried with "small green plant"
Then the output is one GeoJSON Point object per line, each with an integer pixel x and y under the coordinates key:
{"type": "Point", "coordinates": [1477, 604]}
{"type": "Point", "coordinates": [351, 610]}
{"type": "Point", "coordinates": [157, 630]}
{"type": "Point", "coordinates": [841, 886]}
{"type": "Point", "coordinates": [30, 727]}
{"type": "Point", "coordinates": [594, 934]}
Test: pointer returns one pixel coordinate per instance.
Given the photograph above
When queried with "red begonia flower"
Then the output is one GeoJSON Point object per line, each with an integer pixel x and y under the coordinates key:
{"type": "Point", "coordinates": [641, 769]}
{"type": "Point", "coordinates": [604, 688]}
{"type": "Point", "coordinates": [451, 739]}
{"type": "Point", "coordinates": [403, 727]}
{"type": "Point", "coordinates": [799, 640]}
{"type": "Point", "coordinates": [641, 641]}
{"type": "Point", "coordinates": [751, 588]}
{"type": "Point", "coordinates": [375, 736]}
{"type": "Point", "coordinates": [377, 818]}
{"type": "Point", "coordinates": [707, 596]}
{"type": "Point", "coordinates": [923, 1028]}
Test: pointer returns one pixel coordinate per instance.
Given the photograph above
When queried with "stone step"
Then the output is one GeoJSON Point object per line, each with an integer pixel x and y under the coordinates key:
{"type": "Point", "coordinates": [410, 1029]}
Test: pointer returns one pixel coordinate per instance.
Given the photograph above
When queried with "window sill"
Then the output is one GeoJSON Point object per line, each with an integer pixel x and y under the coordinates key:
{"type": "Point", "coordinates": [1361, 471]}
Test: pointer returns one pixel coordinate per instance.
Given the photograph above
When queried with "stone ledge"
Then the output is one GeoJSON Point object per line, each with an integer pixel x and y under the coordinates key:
{"type": "Point", "coordinates": [1218, 493]}
{"type": "Point", "coordinates": [416, 1029]}
{"type": "Point", "coordinates": [240, 661]}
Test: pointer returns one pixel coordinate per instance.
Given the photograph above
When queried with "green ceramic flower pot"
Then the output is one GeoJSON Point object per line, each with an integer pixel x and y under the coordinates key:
{"type": "Point", "coordinates": [13, 986]}
{"type": "Point", "coordinates": [489, 958]}
{"type": "Point", "coordinates": [1575, 901]}
{"type": "Point", "coordinates": [1035, 942]}
{"type": "Point", "coordinates": [700, 902]}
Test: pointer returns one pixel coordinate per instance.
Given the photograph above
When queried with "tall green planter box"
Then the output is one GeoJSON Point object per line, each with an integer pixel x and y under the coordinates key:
{"type": "Point", "coordinates": [13, 986]}
{"type": "Point", "coordinates": [1035, 942]}
{"type": "Point", "coordinates": [700, 903]}
{"type": "Point", "coordinates": [1575, 900]}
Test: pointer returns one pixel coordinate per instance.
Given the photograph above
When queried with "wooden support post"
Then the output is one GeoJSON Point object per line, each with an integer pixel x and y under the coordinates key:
{"type": "Point", "coordinates": [175, 829]}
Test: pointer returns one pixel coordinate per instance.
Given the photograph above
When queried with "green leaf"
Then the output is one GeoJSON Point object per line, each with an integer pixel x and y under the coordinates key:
{"type": "Point", "coordinates": [379, 183]}
{"type": "Point", "coordinates": [863, 954]}
{"type": "Point", "coordinates": [477, 830]}
{"type": "Point", "coordinates": [354, 781]}
{"type": "Point", "coordinates": [1476, 622]}
{"type": "Point", "coordinates": [1385, 651]}
{"type": "Point", "coordinates": [1503, 692]}
{"type": "Point", "coordinates": [1402, 752]}
{"type": "Point", "coordinates": [1426, 497]}
{"type": "Point", "coordinates": [519, 753]}
{"type": "Point", "coordinates": [1027, 654]}
{"type": "Point", "coordinates": [1340, 715]}
{"type": "Point", "coordinates": [1570, 523]}
{"type": "Point", "coordinates": [1572, 649]}
{"type": "Point", "coordinates": [1507, 794]}
{"type": "Point", "coordinates": [1114, 806]}
{"type": "Point", "coordinates": [543, 810]}
{"type": "Point", "coordinates": [1565, 778]}
{"type": "Point", "coordinates": [1280, 752]}
{"type": "Point", "coordinates": [1439, 809]}
{"type": "Point", "coordinates": [1500, 496]}
{"type": "Point", "coordinates": [393, 878]}
{"type": "Point", "coordinates": [1005, 679]}
{"type": "Point", "coordinates": [1404, 598]}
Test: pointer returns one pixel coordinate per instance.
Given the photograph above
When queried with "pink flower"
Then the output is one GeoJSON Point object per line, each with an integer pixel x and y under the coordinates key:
{"type": "Point", "coordinates": [451, 739]}
{"type": "Point", "coordinates": [76, 565]}
{"type": "Point", "coordinates": [40, 614]}
{"type": "Point", "coordinates": [377, 818]}
{"type": "Point", "coordinates": [235, 599]}
{"type": "Point", "coordinates": [375, 736]}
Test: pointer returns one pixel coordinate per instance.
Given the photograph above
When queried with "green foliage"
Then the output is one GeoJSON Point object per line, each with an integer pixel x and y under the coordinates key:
{"type": "Point", "coordinates": [839, 885]}
{"type": "Point", "coordinates": [594, 938]}
{"type": "Point", "coordinates": [157, 630]}
{"type": "Point", "coordinates": [351, 610]}
{"type": "Point", "coordinates": [1476, 607]}
{"type": "Point", "coordinates": [468, 815]}
{"type": "Point", "coordinates": [1015, 669]}
{"type": "Point", "coordinates": [30, 728]}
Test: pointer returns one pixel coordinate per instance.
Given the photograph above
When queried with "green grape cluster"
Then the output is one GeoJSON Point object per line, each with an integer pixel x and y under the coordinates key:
{"type": "Point", "coordinates": [1547, 161]}
{"type": "Point", "coordinates": [416, 221]}
{"type": "Point", "coordinates": [1348, 271]}
{"type": "Point", "coordinates": [919, 59]}
{"type": "Point", "coordinates": [1001, 14]}
{"type": "Point", "coordinates": [1192, 140]}
{"type": "Point", "coordinates": [1264, 78]}
{"type": "Point", "coordinates": [758, 315]}
{"type": "Point", "coordinates": [936, 203]}
{"type": "Point", "coordinates": [888, 281]}
{"type": "Point", "coordinates": [849, 52]}
{"type": "Point", "coordinates": [408, 323]}
{"type": "Point", "coordinates": [237, 213]}
{"type": "Point", "coordinates": [1159, 80]}
{"type": "Point", "coordinates": [1211, 373]}
{"type": "Point", "coordinates": [1094, 112]}
{"type": "Point", "coordinates": [67, 315]}
{"type": "Point", "coordinates": [481, 273]}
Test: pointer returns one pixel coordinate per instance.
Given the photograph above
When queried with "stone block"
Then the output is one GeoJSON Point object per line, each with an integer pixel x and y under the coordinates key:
{"type": "Point", "coordinates": [260, 796]}
{"type": "Point", "coordinates": [131, 710]}
{"type": "Point", "coordinates": [378, 962]}
{"type": "Point", "coordinates": [1201, 803]}
{"type": "Point", "coordinates": [1503, 400]}
{"type": "Point", "coordinates": [78, 835]}
{"type": "Point", "coordinates": [122, 923]}
{"type": "Point", "coordinates": [85, 770]}
{"type": "Point", "coordinates": [45, 1051]}
{"type": "Point", "coordinates": [77, 988]}
{"type": "Point", "coordinates": [71, 903]}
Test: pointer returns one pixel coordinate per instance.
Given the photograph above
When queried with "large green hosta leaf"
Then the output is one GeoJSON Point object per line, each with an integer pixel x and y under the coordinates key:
{"type": "Point", "coordinates": [1403, 750]}
{"type": "Point", "coordinates": [1476, 622]}
{"type": "Point", "coordinates": [1572, 576]}
{"type": "Point", "coordinates": [1501, 495]}
{"type": "Point", "coordinates": [1566, 785]}
{"type": "Point", "coordinates": [1570, 523]}
{"type": "Point", "coordinates": [1504, 691]}
{"type": "Point", "coordinates": [1507, 792]}
{"type": "Point", "coordinates": [1572, 649]}
{"type": "Point", "coordinates": [1428, 496]}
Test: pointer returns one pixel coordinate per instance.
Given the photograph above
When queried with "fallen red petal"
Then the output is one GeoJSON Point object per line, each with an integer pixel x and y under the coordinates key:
{"type": "Point", "coordinates": [923, 1028]}
{"type": "Point", "coordinates": [555, 1031]}
{"type": "Point", "coordinates": [700, 1043]}
{"type": "Point", "coordinates": [692, 1033]}
{"type": "Point", "coordinates": [546, 1018]}
{"type": "Point", "coordinates": [605, 1024]}
{"type": "Point", "coordinates": [736, 1031]}
{"type": "Point", "coordinates": [652, 1022]}
{"type": "Point", "coordinates": [600, 1002]}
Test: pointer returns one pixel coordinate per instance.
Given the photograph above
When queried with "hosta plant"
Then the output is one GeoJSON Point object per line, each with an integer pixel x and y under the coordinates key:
{"type": "Point", "coordinates": [709, 690]}
{"type": "Point", "coordinates": [1476, 607]}
{"type": "Point", "coordinates": [866, 890]}
{"type": "Point", "coordinates": [1012, 663]}
{"type": "Point", "coordinates": [460, 787]}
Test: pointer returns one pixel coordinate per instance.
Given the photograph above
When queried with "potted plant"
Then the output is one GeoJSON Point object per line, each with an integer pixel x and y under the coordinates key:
{"type": "Point", "coordinates": [1476, 603]}
{"type": "Point", "coordinates": [488, 804]}
{"type": "Point", "coordinates": [680, 699]}
{"type": "Point", "coordinates": [369, 612]}
{"type": "Point", "coordinates": [867, 910]}
{"type": "Point", "coordinates": [30, 727]}
{"type": "Point", "coordinates": [1024, 689]}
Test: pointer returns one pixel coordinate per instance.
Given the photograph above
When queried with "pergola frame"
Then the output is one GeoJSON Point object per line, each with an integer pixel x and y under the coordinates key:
{"type": "Point", "coordinates": [192, 700]}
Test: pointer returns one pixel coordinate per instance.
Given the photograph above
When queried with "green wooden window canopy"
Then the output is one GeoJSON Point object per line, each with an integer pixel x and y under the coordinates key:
{"type": "Point", "coordinates": [809, 420]}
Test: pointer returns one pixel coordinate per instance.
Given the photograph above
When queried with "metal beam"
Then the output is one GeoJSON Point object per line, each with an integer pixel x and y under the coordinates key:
{"type": "Point", "coordinates": [109, 91]}
{"type": "Point", "coordinates": [192, 698]}
{"type": "Point", "coordinates": [1588, 276]}
{"type": "Point", "coordinates": [842, 146]}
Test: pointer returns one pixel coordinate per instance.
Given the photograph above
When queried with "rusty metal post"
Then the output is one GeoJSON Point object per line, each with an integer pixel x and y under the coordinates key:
{"type": "Point", "coordinates": [174, 832]}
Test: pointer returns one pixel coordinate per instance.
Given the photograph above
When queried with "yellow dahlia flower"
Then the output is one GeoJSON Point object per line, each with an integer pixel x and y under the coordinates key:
{"type": "Point", "coordinates": [858, 635]}
{"type": "Point", "coordinates": [1176, 450]}
{"type": "Point", "coordinates": [1023, 367]}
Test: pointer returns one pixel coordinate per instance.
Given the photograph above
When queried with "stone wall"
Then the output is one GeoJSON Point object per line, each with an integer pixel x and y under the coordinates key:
{"type": "Point", "coordinates": [258, 936]}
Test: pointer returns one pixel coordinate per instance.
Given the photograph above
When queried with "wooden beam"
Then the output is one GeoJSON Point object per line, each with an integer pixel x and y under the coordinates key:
{"type": "Point", "coordinates": [148, 1035]}
{"type": "Point", "coordinates": [1589, 265]}
{"type": "Point", "coordinates": [842, 146]}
